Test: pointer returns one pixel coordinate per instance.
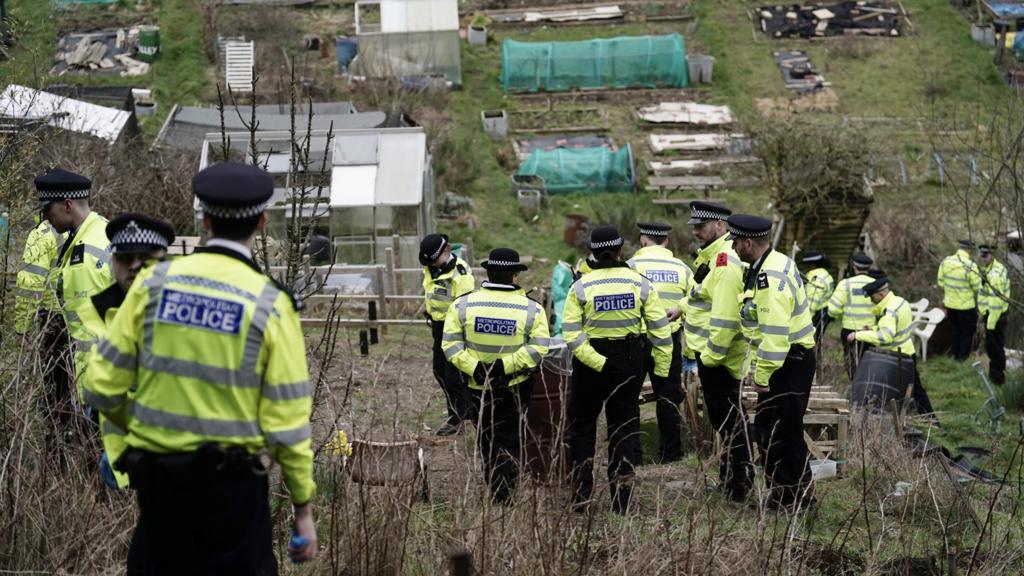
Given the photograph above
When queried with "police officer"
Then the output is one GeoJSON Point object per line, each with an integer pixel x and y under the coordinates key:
{"type": "Point", "coordinates": [445, 278]}
{"type": "Point", "coordinates": [894, 334]}
{"type": "Point", "coordinates": [819, 287]}
{"type": "Point", "coordinates": [850, 303]}
{"type": "Point", "coordinates": [605, 315]}
{"type": "Point", "coordinates": [83, 262]}
{"type": "Point", "coordinates": [960, 281]}
{"type": "Point", "coordinates": [777, 306]}
{"type": "Point", "coordinates": [497, 336]}
{"type": "Point", "coordinates": [135, 240]}
{"type": "Point", "coordinates": [993, 303]}
{"type": "Point", "coordinates": [671, 281]}
{"type": "Point", "coordinates": [713, 335]}
{"type": "Point", "coordinates": [215, 352]}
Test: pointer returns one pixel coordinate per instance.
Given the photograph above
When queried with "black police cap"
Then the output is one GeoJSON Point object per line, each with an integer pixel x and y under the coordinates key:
{"type": "Point", "coordinates": [654, 229]}
{"type": "Point", "coordinates": [431, 247]}
{"type": "Point", "coordinates": [138, 233]}
{"type": "Point", "coordinates": [232, 190]}
{"type": "Point", "coordinates": [876, 285]}
{"type": "Point", "coordinates": [505, 259]}
{"type": "Point", "coordinates": [57, 184]}
{"type": "Point", "coordinates": [605, 237]}
{"type": "Point", "coordinates": [966, 243]}
{"type": "Point", "coordinates": [812, 257]}
{"type": "Point", "coordinates": [986, 249]}
{"type": "Point", "coordinates": [861, 260]}
{"type": "Point", "coordinates": [701, 211]}
{"type": "Point", "coordinates": [748, 226]}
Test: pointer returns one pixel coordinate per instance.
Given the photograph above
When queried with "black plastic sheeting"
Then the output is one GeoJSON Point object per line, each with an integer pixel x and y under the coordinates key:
{"type": "Point", "coordinates": [881, 19]}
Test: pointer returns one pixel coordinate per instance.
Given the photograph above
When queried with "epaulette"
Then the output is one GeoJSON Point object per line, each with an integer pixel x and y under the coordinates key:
{"type": "Point", "coordinates": [462, 269]}
{"type": "Point", "coordinates": [296, 304]}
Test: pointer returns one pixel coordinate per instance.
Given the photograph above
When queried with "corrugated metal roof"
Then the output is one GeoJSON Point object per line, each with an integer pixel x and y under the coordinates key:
{"type": "Point", "coordinates": [23, 103]}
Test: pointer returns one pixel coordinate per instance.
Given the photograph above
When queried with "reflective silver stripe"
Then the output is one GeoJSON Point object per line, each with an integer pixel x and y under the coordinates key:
{"type": "Point", "coordinates": [660, 341]}
{"type": "Point", "coordinates": [540, 341]}
{"type": "Point", "coordinates": [111, 354]}
{"type": "Point", "coordinates": [35, 269]}
{"type": "Point", "coordinates": [902, 341]}
{"type": "Point", "coordinates": [624, 323]}
{"type": "Point", "coordinates": [438, 297]}
{"type": "Point", "coordinates": [291, 391]}
{"type": "Point", "coordinates": [72, 316]}
{"type": "Point", "coordinates": [460, 306]}
{"type": "Point", "coordinates": [102, 401]}
{"type": "Point", "coordinates": [581, 294]}
{"type": "Point", "coordinates": [771, 356]}
{"type": "Point", "coordinates": [579, 341]}
{"type": "Point", "coordinates": [492, 348]}
{"type": "Point", "coordinates": [736, 261]}
{"type": "Point", "coordinates": [860, 305]}
{"type": "Point", "coordinates": [454, 349]}
{"type": "Point", "coordinates": [665, 295]}
{"type": "Point", "coordinates": [696, 330]}
{"type": "Point", "coordinates": [951, 278]}
{"type": "Point", "coordinates": [534, 355]}
{"type": "Point", "coordinates": [531, 316]}
{"type": "Point", "coordinates": [659, 261]}
{"type": "Point", "coordinates": [787, 280]}
{"type": "Point", "coordinates": [111, 429]}
{"type": "Point", "coordinates": [26, 293]}
{"type": "Point", "coordinates": [801, 333]}
{"type": "Point", "coordinates": [257, 327]}
{"type": "Point", "coordinates": [659, 323]}
{"type": "Point", "coordinates": [289, 437]}
{"type": "Point", "coordinates": [749, 324]}
{"type": "Point", "coordinates": [774, 330]}
{"type": "Point", "coordinates": [194, 424]}
{"type": "Point", "coordinates": [204, 372]}
{"type": "Point", "coordinates": [855, 316]}
{"type": "Point", "coordinates": [504, 305]}
{"type": "Point", "coordinates": [601, 281]}
{"type": "Point", "coordinates": [727, 324]}
{"type": "Point", "coordinates": [98, 253]}
{"type": "Point", "coordinates": [755, 342]}
{"type": "Point", "coordinates": [886, 331]}
{"type": "Point", "coordinates": [571, 326]}
{"type": "Point", "coordinates": [881, 337]}
{"type": "Point", "coordinates": [799, 309]}
{"type": "Point", "coordinates": [834, 303]}
{"type": "Point", "coordinates": [155, 283]}
{"type": "Point", "coordinates": [448, 337]}
{"type": "Point", "coordinates": [202, 283]}
{"type": "Point", "coordinates": [645, 289]}
{"type": "Point", "coordinates": [699, 304]}
{"type": "Point", "coordinates": [718, 349]}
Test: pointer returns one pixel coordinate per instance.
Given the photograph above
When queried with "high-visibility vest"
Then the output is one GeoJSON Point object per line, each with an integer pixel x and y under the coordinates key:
{"type": "Point", "coordinates": [439, 292]}
{"type": "Point", "coordinates": [496, 322]}
{"type": "Point", "coordinates": [960, 280]}
{"type": "Point", "coordinates": [615, 303]}
{"type": "Point", "coordinates": [713, 310]}
{"type": "Point", "coordinates": [894, 331]}
{"type": "Point", "coordinates": [851, 303]}
{"type": "Point", "coordinates": [819, 287]}
{"type": "Point", "coordinates": [994, 298]}
{"type": "Point", "coordinates": [84, 271]}
{"type": "Point", "coordinates": [216, 354]}
{"type": "Point", "coordinates": [36, 281]}
{"type": "Point", "coordinates": [669, 276]}
{"type": "Point", "coordinates": [779, 312]}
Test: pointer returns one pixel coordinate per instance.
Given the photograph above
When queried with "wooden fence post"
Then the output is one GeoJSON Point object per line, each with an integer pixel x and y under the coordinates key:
{"type": "Point", "coordinates": [381, 298]}
{"type": "Point", "coordinates": [396, 250]}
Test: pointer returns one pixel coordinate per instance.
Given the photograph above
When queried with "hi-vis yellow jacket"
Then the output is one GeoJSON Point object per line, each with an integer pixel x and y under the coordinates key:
{"type": "Point", "coordinates": [717, 335]}
{"type": "Point", "coordinates": [993, 300]}
{"type": "Point", "coordinates": [614, 303]}
{"type": "Point", "coordinates": [669, 276]}
{"type": "Point", "coordinates": [894, 331]}
{"type": "Point", "coordinates": [440, 288]}
{"type": "Point", "coordinates": [496, 322]}
{"type": "Point", "coordinates": [37, 278]}
{"type": "Point", "coordinates": [778, 314]}
{"type": "Point", "coordinates": [819, 287]}
{"type": "Point", "coordinates": [960, 281]}
{"type": "Point", "coordinates": [851, 303]}
{"type": "Point", "coordinates": [216, 354]}
{"type": "Point", "coordinates": [96, 315]}
{"type": "Point", "coordinates": [84, 271]}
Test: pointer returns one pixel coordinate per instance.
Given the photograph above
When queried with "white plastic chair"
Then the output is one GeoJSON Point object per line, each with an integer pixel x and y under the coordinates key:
{"type": "Point", "coordinates": [924, 327]}
{"type": "Point", "coordinates": [919, 307]}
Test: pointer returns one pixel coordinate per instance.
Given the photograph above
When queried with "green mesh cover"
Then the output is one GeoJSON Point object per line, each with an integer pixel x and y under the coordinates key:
{"type": "Point", "coordinates": [623, 62]}
{"type": "Point", "coordinates": [60, 3]}
{"type": "Point", "coordinates": [586, 170]}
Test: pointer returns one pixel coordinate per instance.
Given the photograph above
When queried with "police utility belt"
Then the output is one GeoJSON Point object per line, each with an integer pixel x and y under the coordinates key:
{"type": "Point", "coordinates": [210, 461]}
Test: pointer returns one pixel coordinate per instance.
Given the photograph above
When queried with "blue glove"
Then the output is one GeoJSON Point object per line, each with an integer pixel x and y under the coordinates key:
{"type": "Point", "coordinates": [297, 542]}
{"type": "Point", "coordinates": [689, 365]}
{"type": "Point", "coordinates": [107, 473]}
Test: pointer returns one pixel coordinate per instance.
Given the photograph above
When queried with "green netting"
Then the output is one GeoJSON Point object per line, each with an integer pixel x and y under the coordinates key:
{"type": "Point", "coordinates": [623, 62]}
{"type": "Point", "coordinates": [60, 3]}
{"type": "Point", "coordinates": [586, 170]}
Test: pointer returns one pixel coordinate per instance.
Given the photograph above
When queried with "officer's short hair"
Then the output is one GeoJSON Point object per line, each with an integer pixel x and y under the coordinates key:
{"type": "Point", "coordinates": [234, 228]}
{"type": "Point", "coordinates": [500, 276]}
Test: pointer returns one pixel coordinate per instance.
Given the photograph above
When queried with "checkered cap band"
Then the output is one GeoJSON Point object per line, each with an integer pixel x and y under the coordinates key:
{"type": "Point", "coordinates": [606, 244]}
{"type": "Point", "coordinates": [505, 263]}
{"type": "Point", "coordinates": [133, 235]}
{"type": "Point", "coordinates": [703, 214]}
{"type": "Point", "coordinates": [233, 213]}
{"type": "Point", "coordinates": [57, 195]}
{"type": "Point", "coordinates": [437, 253]}
{"type": "Point", "coordinates": [749, 234]}
{"type": "Point", "coordinates": [650, 232]}
{"type": "Point", "coordinates": [814, 258]}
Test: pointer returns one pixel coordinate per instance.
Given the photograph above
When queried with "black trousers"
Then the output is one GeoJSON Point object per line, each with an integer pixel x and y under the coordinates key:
{"type": "Point", "coordinates": [502, 420]}
{"type": "Point", "coordinates": [919, 394]}
{"type": "Point", "coordinates": [722, 403]}
{"type": "Point", "coordinates": [821, 320]}
{"type": "Point", "coordinates": [995, 347]}
{"type": "Point", "coordinates": [616, 389]}
{"type": "Point", "coordinates": [448, 377]}
{"type": "Point", "coordinates": [779, 424]}
{"type": "Point", "coordinates": [852, 352]}
{"type": "Point", "coordinates": [965, 322]}
{"type": "Point", "coordinates": [668, 394]}
{"type": "Point", "coordinates": [203, 525]}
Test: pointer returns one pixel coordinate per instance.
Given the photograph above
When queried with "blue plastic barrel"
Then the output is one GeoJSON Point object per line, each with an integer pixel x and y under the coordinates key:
{"type": "Point", "coordinates": [347, 47]}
